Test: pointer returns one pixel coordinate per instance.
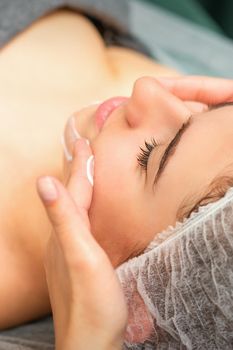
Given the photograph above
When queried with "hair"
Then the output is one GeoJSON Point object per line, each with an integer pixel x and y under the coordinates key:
{"type": "Point", "coordinates": [119, 37]}
{"type": "Point", "coordinates": [216, 190]}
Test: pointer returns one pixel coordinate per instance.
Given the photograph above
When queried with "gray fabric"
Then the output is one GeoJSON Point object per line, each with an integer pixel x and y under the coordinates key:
{"type": "Point", "coordinates": [180, 290]}
{"type": "Point", "coordinates": [181, 44]}
{"type": "Point", "coordinates": [38, 335]}
{"type": "Point", "coordinates": [16, 15]}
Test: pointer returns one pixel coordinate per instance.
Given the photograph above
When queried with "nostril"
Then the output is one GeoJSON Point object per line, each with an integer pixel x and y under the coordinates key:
{"type": "Point", "coordinates": [130, 116]}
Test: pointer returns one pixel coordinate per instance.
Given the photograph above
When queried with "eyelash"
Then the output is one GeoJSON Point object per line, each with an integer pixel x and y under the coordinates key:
{"type": "Point", "coordinates": [143, 156]}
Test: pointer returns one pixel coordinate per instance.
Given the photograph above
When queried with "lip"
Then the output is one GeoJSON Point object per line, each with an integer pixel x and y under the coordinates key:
{"type": "Point", "coordinates": [106, 108]}
{"type": "Point", "coordinates": [70, 132]}
{"type": "Point", "coordinates": [102, 113]}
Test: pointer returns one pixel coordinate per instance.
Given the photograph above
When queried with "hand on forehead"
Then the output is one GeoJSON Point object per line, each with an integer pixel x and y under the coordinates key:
{"type": "Point", "coordinates": [207, 90]}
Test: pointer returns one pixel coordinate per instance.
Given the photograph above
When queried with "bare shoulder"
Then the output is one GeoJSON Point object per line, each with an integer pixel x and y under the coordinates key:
{"type": "Point", "coordinates": [23, 234]}
{"type": "Point", "coordinates": [23, 291]}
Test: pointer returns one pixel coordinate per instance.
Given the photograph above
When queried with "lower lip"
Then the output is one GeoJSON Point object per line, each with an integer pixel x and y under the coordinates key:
{"type": "Point", "coordinates": [106, 108]}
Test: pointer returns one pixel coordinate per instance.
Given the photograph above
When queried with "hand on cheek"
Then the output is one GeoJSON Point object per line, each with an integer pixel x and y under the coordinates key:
{"type": "Point", "coordinates": [87, 301]}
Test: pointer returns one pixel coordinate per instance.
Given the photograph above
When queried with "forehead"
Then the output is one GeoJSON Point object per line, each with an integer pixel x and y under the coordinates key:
{"type": "Point", "coordinates": [204, 151]}
{"type": "Point", "coordinates": [209, 141]}
{"type": "Point", "coordinates": [210, 137]}
{"type": "Point", "coordinates": [217, 122]}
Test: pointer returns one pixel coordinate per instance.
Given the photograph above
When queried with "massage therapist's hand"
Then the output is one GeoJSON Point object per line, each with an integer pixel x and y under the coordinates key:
{"type": "Point", "coordinates": [208, 90]}
{"type": "Point", "coordinates": [87, 301]}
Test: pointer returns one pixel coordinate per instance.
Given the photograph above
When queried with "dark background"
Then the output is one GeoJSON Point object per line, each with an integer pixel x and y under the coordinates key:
{"type": "Point", "coordinates": [216, 15]}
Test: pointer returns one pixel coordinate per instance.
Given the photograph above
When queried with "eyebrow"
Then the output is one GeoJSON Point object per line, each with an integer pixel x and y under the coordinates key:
{"type": "Point", "coordinates": [171, 148]}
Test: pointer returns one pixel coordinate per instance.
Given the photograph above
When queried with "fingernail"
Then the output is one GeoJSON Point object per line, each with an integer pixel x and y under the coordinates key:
{"type": "Point", "coordinates": [90, 169]}
{"type": "Point", "coordinates": [88, 142]}
{"type": "Point", "coordinates": [47, 189]}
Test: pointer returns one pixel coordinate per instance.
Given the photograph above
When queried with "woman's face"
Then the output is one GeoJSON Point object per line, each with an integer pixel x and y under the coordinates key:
{"type": "Point", "coordinates": [129, 207]}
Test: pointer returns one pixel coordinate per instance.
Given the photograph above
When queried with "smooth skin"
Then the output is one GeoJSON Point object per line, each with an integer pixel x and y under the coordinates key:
{"type": "Point", "coordinates": [71, 242]}
{"type": "Point", "coordinates": [61, 64]}
{"type": "Point", "coordinates": [88, 304]}
{"type": "Point", "coordinates": [52, 82]}
{"type": "Point", "coordinates": [137, 209]}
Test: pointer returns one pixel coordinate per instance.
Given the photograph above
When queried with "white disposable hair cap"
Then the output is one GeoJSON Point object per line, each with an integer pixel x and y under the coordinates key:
{"type": "Point", "coordinates": [179, 292]}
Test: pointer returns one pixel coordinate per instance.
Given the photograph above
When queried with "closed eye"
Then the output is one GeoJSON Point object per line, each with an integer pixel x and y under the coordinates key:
{"type": "Point", "coordinates": [144, 155]}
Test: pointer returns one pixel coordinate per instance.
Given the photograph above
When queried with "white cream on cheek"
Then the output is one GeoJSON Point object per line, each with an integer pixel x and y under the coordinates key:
{"type": "Point", "coordinates": [73, 134]}
{"type": "Point", "coordinates": [90, 169]}
{"type": "Point", "coordinates": [65, 150]}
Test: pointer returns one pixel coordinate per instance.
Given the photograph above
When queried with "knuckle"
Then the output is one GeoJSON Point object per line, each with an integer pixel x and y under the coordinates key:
{"type": "Point", "coordinates": [80, 177]}
{"type": "Point", "coordinates": [77, 169]}
{"type": "Point", "coordinates": [80, 148]}
{"type": "Point", "coordinates": [59, 221]}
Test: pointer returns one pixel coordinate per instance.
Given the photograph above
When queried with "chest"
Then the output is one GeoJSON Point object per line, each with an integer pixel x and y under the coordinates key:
{"type": "Point", "coordinates": [52, 69]}
{"type": "Point", "coordinates": [46, 73]}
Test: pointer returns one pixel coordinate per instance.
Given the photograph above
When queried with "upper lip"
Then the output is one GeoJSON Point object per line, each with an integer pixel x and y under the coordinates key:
{"type": "Point", "coordinates": [103, 112]}
{"type": "Point", "coordinates": [106, 108]}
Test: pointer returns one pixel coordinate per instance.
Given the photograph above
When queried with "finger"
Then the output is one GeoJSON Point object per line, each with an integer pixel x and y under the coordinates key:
{"type": "Point", "coordinates": [200, 88]}
{"type": "Point", "coordinates": [80, 183]}
{"type": "Point", "coordinates": [69, 226]}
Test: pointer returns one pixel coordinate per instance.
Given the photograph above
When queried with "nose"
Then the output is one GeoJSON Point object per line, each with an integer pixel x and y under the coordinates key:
{"type": "Point", "coordinates": [153, 107]}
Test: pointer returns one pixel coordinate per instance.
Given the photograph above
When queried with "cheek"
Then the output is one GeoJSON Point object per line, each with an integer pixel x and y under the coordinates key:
{"type": "Point", "coordinates": [119, 216]}
{"type": "Point", "coordinates": [109, 211]}
{"type": "Point", "coordinates": [120, 212]}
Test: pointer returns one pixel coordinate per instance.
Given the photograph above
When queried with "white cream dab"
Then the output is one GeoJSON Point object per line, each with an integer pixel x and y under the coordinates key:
{"type": "Point", "coordinates": [90, 169]}
{"type": "Point", "coordinates": [74, 136]}
{"type": "Point", "coordinates": [71, 124]}
{"type": "Point", "coordinates": [66, 152]}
